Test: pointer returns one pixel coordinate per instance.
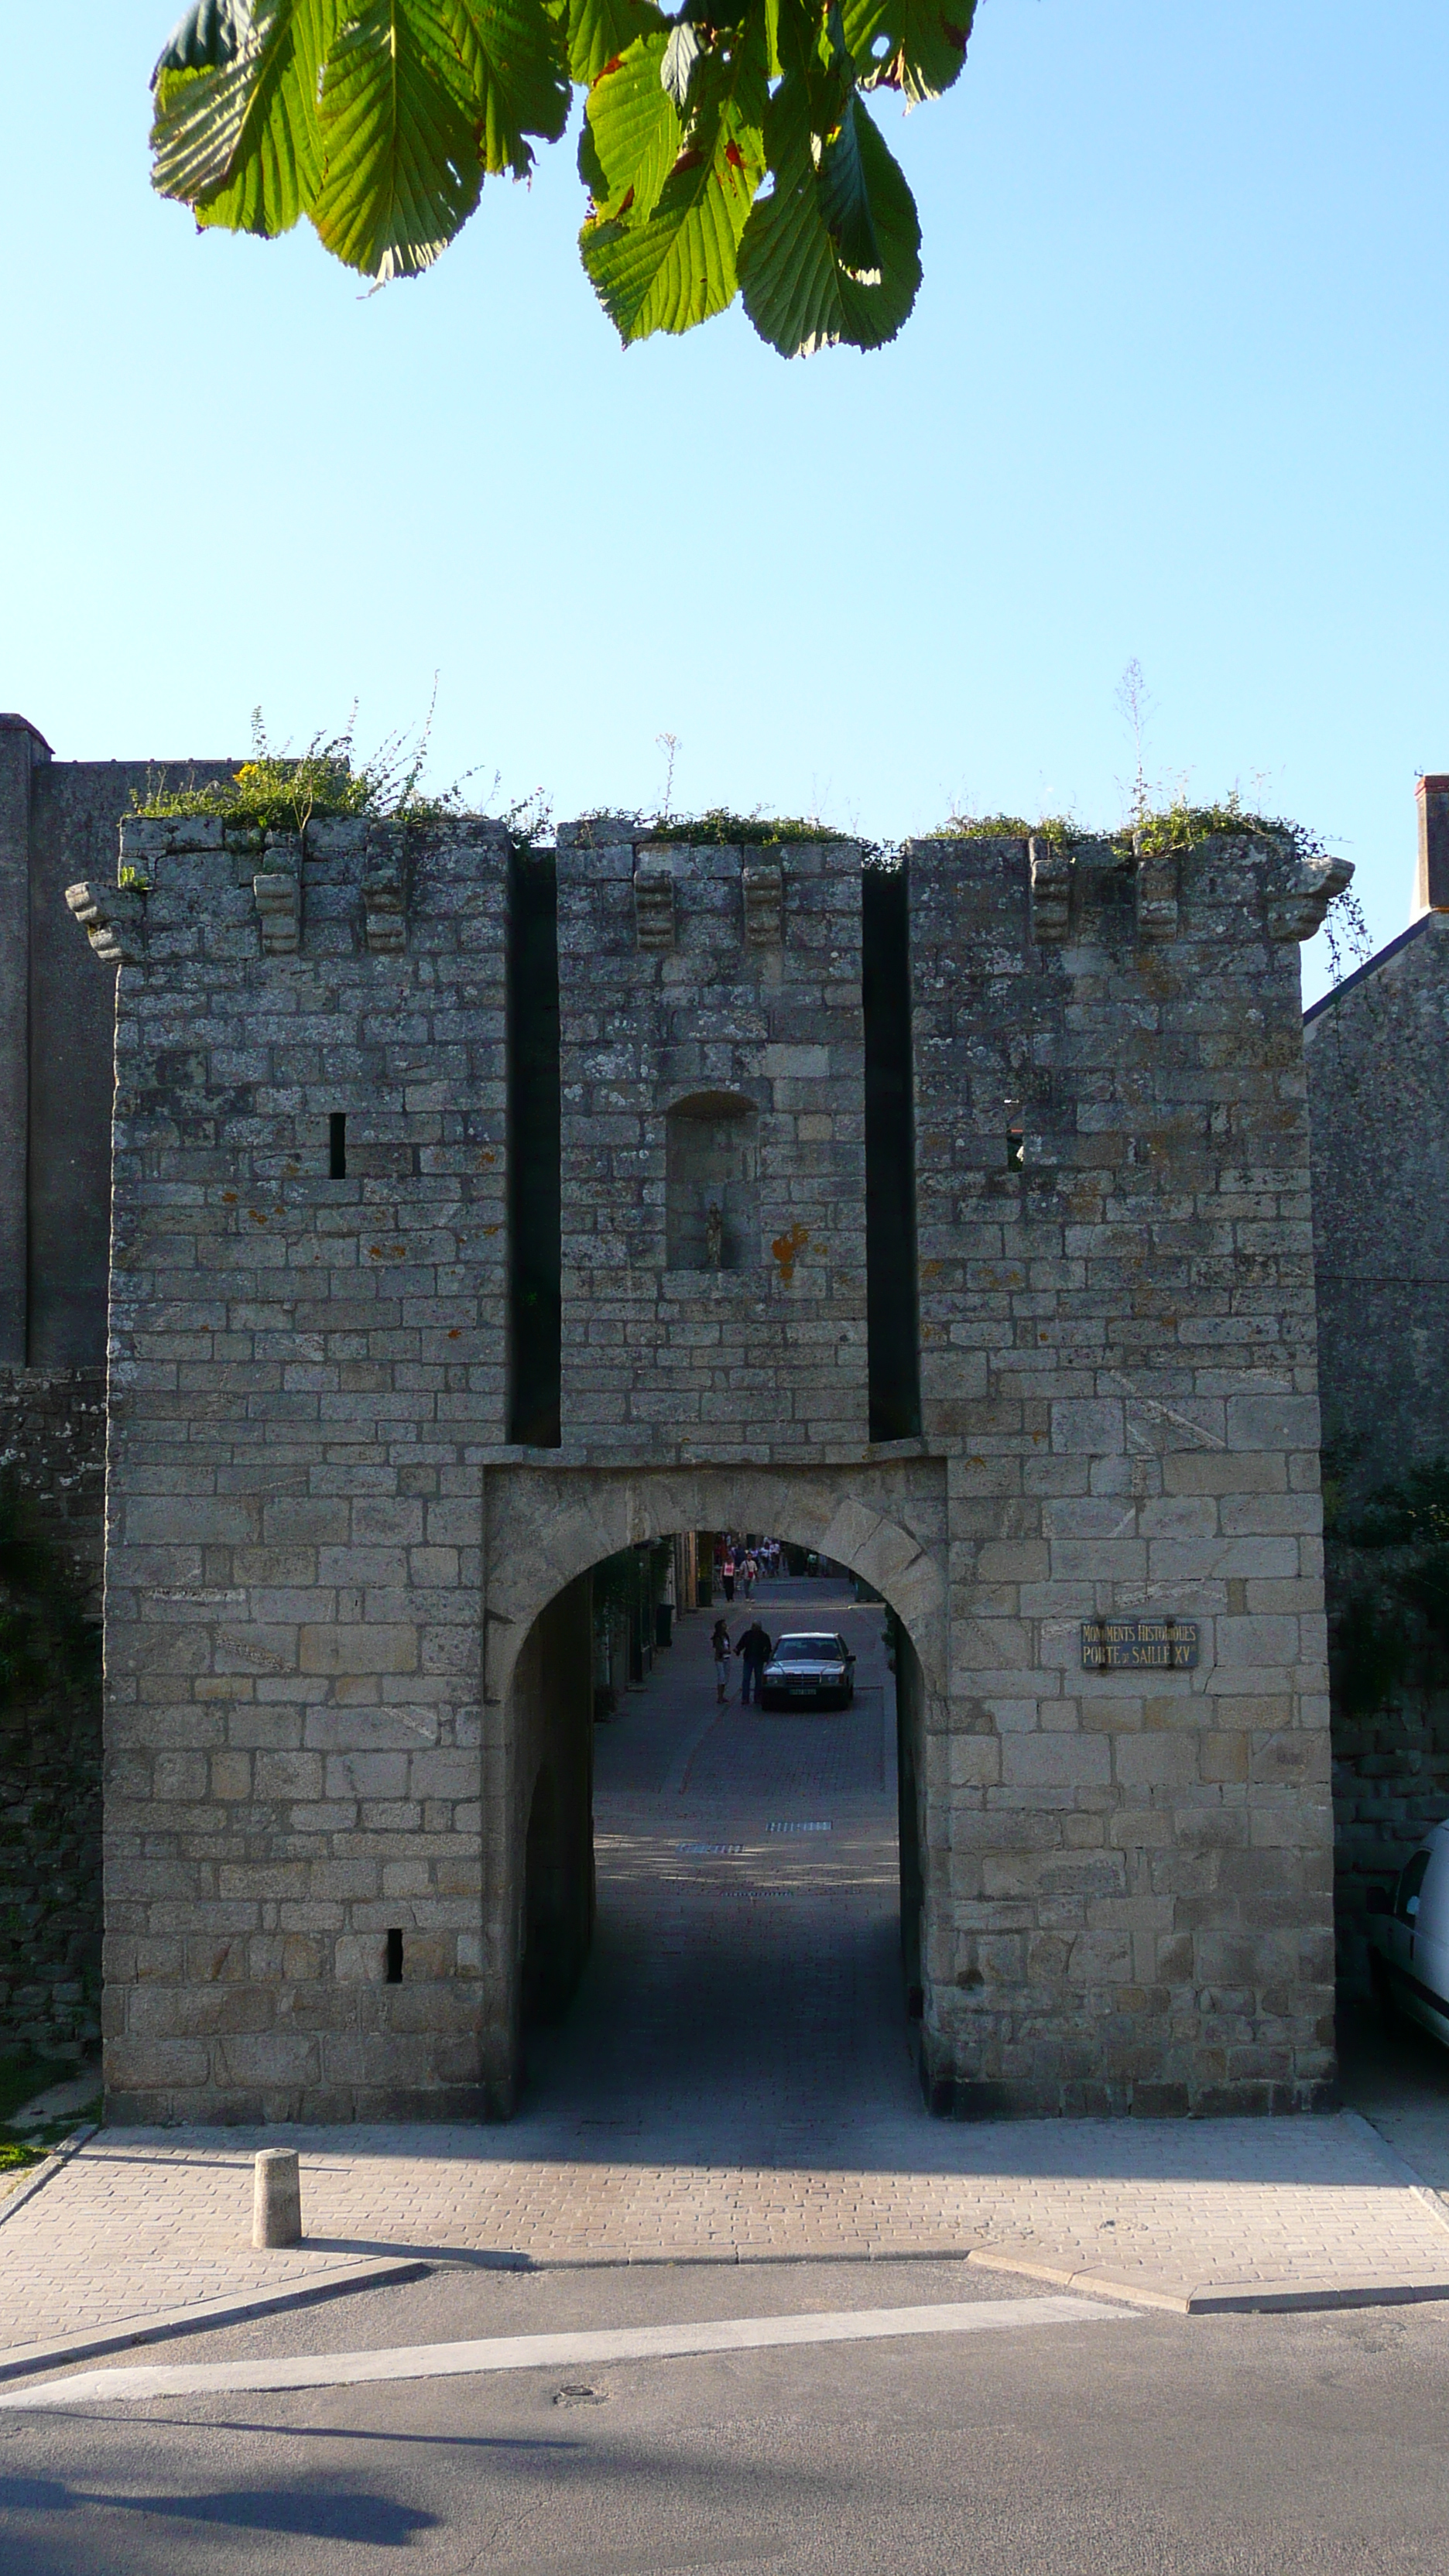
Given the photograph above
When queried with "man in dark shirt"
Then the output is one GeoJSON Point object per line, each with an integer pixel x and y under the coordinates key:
{"type": "Point", "coordinates": [754, 1651]}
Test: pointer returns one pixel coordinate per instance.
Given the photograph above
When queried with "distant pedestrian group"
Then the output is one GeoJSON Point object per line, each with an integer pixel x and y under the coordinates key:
{"type": "Point", "coordinates": [746, 1565]}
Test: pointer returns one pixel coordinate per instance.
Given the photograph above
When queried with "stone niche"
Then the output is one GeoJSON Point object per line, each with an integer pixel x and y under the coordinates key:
{"type": "Point", "coordinates": [712, 1183]}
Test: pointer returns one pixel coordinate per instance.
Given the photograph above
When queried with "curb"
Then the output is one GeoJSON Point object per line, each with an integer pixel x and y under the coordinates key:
{"type": "Point", "coordinates": [1261, 2298]}
{"type": "Point", "coordinates": [47, 2171]}
{"type": "Point", "coordinates": [1226, 2299]}
{"type": "Point", "coordinates": [731, 2257]}
{"type": "Point", "coordinates": [1413, 2181]}
{"type": "Point", "coordinates": [225, 2311]}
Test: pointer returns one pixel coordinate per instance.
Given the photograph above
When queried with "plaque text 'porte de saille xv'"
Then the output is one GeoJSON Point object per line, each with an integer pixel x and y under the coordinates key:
{"type": "Point", "coordinates": [1139, 1645]}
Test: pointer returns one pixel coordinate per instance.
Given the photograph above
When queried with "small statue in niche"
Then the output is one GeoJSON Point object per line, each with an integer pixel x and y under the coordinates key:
{"type": "Point", "coordinates": [714, 1235]}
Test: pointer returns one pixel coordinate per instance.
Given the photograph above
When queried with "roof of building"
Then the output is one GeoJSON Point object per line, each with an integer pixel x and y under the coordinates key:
{"type": "Point", "coordinates": [1370, 967]}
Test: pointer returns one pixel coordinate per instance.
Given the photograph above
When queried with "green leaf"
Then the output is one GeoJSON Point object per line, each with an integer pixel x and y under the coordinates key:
{"type": "Point", "coordinates": [212, 32]}
{"type": "Point", "coordinates": [797, 289]}
{"type": "Point", "coordinates": [634, 128]}
{"type": "Point", "coordinates": [681, 53]}
{"type": "Point", "coordinates": [787, 127]}
{"type": "Point", "coordinates": [599, 31]}
{"type": "Point", "coordinates": [678, 267]}
{"type": "Point", "coordinates": [845, 195]}
{"type": "Point", "coordinates": [511, 54]}
{"type": "Point", "coordinates": [794, 31]}
{"type": "Point", "coordinates": [239, 141]}
{"type": "Point", "coordinates": [403, 168]}
{"type": "Point", "coordinates": [917, 46]}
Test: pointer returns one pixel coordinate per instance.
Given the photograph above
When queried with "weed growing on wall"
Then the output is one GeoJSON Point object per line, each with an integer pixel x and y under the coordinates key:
{"type": "Point", "coordinates": [284, 791]}
{"type": "Point", "coordinates": [1154, 832]}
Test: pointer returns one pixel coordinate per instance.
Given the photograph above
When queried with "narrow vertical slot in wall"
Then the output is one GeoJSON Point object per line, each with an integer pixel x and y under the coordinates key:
{"type": "Point", "coordinates": [535, 1216]}
{"type": "Point", "coordinates": [337, 1145]}
{"type": "Point", "coordinates": [892, 1330]}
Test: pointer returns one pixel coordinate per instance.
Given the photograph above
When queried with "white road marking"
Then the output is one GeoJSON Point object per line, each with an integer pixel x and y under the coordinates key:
{"type": "Point", "coordinates": [557, 2351]}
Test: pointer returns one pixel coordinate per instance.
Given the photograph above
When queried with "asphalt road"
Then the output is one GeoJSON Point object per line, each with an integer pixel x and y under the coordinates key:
{"type": "Point", "coordinates": [1174, 2447]}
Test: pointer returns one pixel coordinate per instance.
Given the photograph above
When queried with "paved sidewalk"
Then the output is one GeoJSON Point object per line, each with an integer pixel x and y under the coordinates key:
{"type": "Point", "coordinates": [140, 2223]}
{"type": "Point", "coordinates": [734, 2083]}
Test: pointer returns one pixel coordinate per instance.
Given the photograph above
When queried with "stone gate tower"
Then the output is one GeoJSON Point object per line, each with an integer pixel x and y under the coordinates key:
{"type": "Point", "coordinates": [480, 1211]}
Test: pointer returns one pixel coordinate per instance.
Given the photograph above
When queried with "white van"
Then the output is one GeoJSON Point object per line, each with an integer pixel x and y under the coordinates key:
{"type": "Point", "coordinates": [1408, 1935]}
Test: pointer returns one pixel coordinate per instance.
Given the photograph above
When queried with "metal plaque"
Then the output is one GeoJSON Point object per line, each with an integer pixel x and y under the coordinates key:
{"type": "Point", "coordinates": [1139, 1645]}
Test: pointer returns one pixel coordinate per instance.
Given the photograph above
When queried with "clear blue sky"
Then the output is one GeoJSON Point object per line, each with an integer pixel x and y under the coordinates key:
{"type": "Point", "coordinates": [1174, 390]}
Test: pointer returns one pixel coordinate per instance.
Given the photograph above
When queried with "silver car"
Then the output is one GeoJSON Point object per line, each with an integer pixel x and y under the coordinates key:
{"type": "Point", "coordinates": [1408, 1935]}
{"type": "Point", "coordinates": [809, 1669]}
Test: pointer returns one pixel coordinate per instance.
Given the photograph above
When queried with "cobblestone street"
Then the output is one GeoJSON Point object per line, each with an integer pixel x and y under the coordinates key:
{"type": "Point", "coordinates": [744, 1997]}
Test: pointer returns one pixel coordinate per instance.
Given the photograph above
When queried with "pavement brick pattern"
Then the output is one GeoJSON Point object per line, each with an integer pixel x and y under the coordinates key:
{"type": "Point", "coordinates": [735, 2081]}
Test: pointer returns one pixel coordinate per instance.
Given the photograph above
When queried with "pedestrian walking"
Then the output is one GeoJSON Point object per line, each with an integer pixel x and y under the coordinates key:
{"type": "Point", "coordinates": [727, 1575]}
{"type": "Point", "coordinates": [719, 1646]}
{"type": "Point", "coordinates": [749, 1571]}
{"type": "Point", "coordinates": [754, 1651]}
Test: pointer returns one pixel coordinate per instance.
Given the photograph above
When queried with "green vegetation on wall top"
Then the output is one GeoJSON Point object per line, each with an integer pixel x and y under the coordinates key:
{"type": "Point", "coordinates": [283, 791]}
{"type": "Point", "coordinates": [280, 791]}
{"type": "Point", "coordinates": [719, 829]}
{"type": "Point", "coordinates": [1152, 833]}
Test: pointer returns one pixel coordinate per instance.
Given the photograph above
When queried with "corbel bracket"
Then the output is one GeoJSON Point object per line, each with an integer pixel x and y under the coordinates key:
{"type": "Point", "coordinates": [278, 896]}
{"type": "Point", "coordinates": [764, 892]}
{"type": "Point", "coordinates": [1156, 891]}
{"type": "Point", "coordinates": [1051, 893]}
{"type": "Point", "coordinates": [1296, 907]}
{"type": "Point", "coordinates": [384, 893]}
{"type": "Point", "coordinates": [113, 919]}
{"type": "Point", "coordinates": [653, 905]}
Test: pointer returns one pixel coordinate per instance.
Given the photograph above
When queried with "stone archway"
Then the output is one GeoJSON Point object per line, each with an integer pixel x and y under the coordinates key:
{"type": "Point", "coordinates": [545, 1529]}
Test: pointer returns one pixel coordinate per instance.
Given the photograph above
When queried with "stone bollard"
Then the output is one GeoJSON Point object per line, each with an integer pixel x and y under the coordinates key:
{"type": "Point", "coordinates": [277, 2198]}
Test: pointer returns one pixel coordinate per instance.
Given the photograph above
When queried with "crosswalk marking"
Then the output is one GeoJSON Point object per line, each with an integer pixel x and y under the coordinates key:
{"type": "Point", "coordinates": [136, 2383]}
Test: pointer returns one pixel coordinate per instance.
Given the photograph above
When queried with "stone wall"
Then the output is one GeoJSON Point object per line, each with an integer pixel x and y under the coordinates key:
{"type": "Point", "coordinates": [1390, 1786]}
{"type": "Point", "coordinates": [678, 982]}
{"type": "Point", "coordinates": [52, 1464]}
{"type": "Point", "coordinates": [1129, 1892]}
{"type": "Point", "coordinates": [553, 1824]}
{"type": "Point", "coordinates": [53, 1456]}
{"type": "Point", "coordinates": [58, 822]}
{"type": "Point", "coordinates": [1376, 1051]}
{"type": "Point", "coordinates": [306, 1371]}
{"type": "Point", "coordinates": [1121, 1882]}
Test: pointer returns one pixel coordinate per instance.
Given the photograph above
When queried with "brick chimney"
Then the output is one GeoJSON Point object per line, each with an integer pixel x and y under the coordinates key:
{"type": "Point", "coordinates": [1432, 891]}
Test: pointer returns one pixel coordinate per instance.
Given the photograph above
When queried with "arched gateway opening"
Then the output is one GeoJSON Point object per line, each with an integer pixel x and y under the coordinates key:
{"type": "Point", "coordinates": [756, 1875]}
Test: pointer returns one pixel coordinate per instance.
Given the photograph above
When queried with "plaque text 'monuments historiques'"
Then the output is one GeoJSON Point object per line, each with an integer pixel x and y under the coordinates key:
{"type": "Point", "coordinates": [1139, 1645]}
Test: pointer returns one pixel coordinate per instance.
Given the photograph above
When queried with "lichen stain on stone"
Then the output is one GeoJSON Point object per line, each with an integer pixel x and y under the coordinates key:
{"type": "Point", "coordinates": [787, 1249]}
